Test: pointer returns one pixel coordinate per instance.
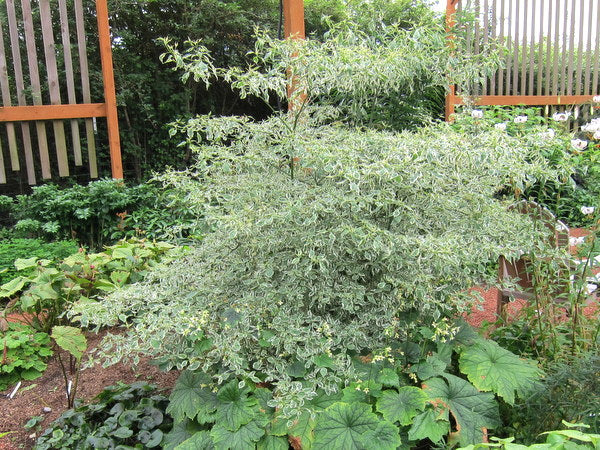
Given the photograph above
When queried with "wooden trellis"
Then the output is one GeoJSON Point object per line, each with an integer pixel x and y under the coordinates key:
{"type": "Point", "coordinates": [552, 50]}
{"type": "Point", "coordinates": [30, 87]}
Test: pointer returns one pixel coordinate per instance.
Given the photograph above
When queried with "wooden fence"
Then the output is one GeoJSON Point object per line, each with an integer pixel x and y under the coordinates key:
{"type": "Point", "coordinates": [551, 50]}
{"type": "Point", "coordinates": [39, 90]}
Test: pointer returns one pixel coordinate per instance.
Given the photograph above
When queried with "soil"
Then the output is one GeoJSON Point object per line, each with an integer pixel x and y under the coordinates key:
{"type": "Point", "coordinates": [49, 391]}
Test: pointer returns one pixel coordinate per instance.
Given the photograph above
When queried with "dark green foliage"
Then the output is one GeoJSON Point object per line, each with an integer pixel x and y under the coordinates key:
{"type": "Point", "coordinates": [570, 391]}
{"type": "Point", "coordinates": [101, 212]}
{"type": "Point", "coordinates": [13, 249]}
{"type": "Point", "coordinates": [391, 404]}
{"type": "Point", "coordinates": [122, 415]}
{"type": "Point", "coordinates": [24, 352]}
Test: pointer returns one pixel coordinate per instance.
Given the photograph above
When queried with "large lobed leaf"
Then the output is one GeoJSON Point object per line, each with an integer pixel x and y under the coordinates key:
{"type": "Point", "coordinates": [491, 368]}
{"type": "Point", "coordinates": [192, 399]}
{"type": "Point", "coordinates": [472, 410]}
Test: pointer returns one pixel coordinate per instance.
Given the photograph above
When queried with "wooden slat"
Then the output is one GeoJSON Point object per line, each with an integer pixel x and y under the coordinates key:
{"type": "Point", "coordinates": [85, 87]}
{"type": "Point", "coordinates": [501, 39]}
{"type": "Point", "coordinates": [596, 55]}
{"type": "Point", "coordinates": [6, 99]}
{"type": "Point", "coordinates": [548, 67]}
{"type": "Point", "coordinates": [515, 76]}
{"type": "Point", "coordinates": [2, 171]}
{"type": "Point", "coordinates": [555, 80]}
{"type": "Point", "coordinates": [536, 100]}
{"type": "Point", "coordinates": [52, 71]}
{"type": "Point", "coordinates": [509, 55]}
{"type": "Point", "coordinates": [293, 13]}
{"type": "Point", "coordinates": [542, 42]}
{"type": "Point", "coordinates": [494, 27]}
{"type": "Point", "coordinates": [526, 21]}
{"type": "Point", "coordinates": [477, 35]}
{"type": "Point", "coordinates": [34, 76]}
{"type": "Point", "coordinates": [18, 66]}
{"type": "Point", "coordinates": [564, 54]}
{"type": "Point", "coordinates": [52, 112]}
{"type": "Point", "coordinates": [587, 88]}
{"type": "Point", "coordinates": [531, 67]}
{"type": "Point", "coordinates": [571, 59]}
{"type": "Point", "coordinates": [110, 98]}
{"type": "Point", "coordinates": [66, 41]}
{"type": "Point", "coordinates": [580, 49]}
{"type": "Point", "coordinates": [486, 32]}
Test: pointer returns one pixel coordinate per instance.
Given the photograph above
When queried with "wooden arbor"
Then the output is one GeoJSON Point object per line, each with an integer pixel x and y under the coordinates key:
{"type": "Point", "coordinates": [552, 55]}
{"type": "Point", "coordinates": [56, 111]}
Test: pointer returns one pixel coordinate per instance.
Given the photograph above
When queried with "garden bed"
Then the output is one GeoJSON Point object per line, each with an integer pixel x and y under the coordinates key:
{"type": "Point", "coordinates": [49, 391]}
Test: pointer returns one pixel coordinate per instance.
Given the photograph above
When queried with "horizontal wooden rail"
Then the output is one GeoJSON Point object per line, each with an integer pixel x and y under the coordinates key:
{"type": "Point", "coordinates": [51, 112]}
{"type": "Point", "coordinates": [533, 100]}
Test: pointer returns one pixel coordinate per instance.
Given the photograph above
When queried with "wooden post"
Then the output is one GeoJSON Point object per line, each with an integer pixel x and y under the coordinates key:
{"type": "Point", "coordinates": [293, 13]}
{"type": "Point", "coordinates": [110, 97]}
{"type": "Point", "coordinates": [450, 11]}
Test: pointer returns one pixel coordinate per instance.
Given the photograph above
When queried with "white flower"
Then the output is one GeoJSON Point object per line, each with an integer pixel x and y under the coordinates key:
{"type": "Point", "coordinates": [585, 210]}
{"type": "Point", "coordinates": [597, 135]}
{"type": "Point", "coordinates": [596, 98]}
{"type": "Point", "coordinates": [579, 144]}
{"type": "Point", "coordinates": [477, 114]}
{"type": "Point", "coordinates": [561, 117]}
{"type": "Point", "coordinates": [575, 241]}
{"type": "Point", "coordinates": [520, 119]}
{"type": "Point", "coordinates": [591, 127]}
{"type": "Point", "coordinates": [590, 288]}
{"type": "Point", "coordinates": [548, 134]}
{"type": "Point", "coordinates": [500, 126]}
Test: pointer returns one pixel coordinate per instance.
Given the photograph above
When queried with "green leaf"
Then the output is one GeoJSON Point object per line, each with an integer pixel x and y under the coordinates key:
{"type": "Point", "coordinates": [28, 263]}
{"type": "Point", "coordinates": [123, 432]}
{"type": "Point", "coordinates": [199, 441]}
{"type": "Point", "coordinates": [156, 438]}
{"type": "Point", "coordinates": [491, 368]}
{"type": "Point", "coordinates": [428, 425]}
{"type": "Point", "coordinates": [122, 253]}
{"type": "Point", "coordinates": [302, 431]}
{"type": "Point", "coordinates": [235, 408]}
{"type": "Point", "coordinates": [323, 401]}
{"type": "Point", "coordinates": [180, 432]}
{"type": "Point", "coordinates": [191, 398]}
{"type": "Point", "coordinates": [389, 377]}
{"type": "Point", "coordinates": [273, 443]}
{"type": "Point", "coordinates": [343, 425]}
{"type": "Point", "coordinates": [432, 367]}
{"type": "Point", "coordinates": [70, 339]}
{"type": "Point", "coordinates": [385, 437]}
{"type": "Point", "coordinates": [402, 405]}
{"type": "Point", "coordinates": [12, 287]}
{"type": "Point", "coordinates": [243, 438]}
{"type": "Point", "coordinates": [324, 361]}
{"type": "Point", "coordinates": [472, 410]}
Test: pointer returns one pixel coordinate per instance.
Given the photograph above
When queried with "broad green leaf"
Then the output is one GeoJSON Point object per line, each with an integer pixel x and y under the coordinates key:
{"type": "Point", "coordinates": [432, 367]}
{"type": "Point", "coordinates": [199, 441]}
{"type": "Point", "coordinates": [472, 410]}
{"type": "Point", "coordinates": [343, 425]}
{"type": "Point", "coordinates": [389, 377]}
{"type": "Point", "coordinates": [402, 405]}
{"type": "Point", "coordinates": [12, 287]}
{"type": "Point", "coordinates": [273, 443]}
{"type": "Point", "coordinates": [302, 431]}
{"type": "Point", "coordinates": [324, 361]}
{"type": "Point", "coordinates": [234, 407]}
{"type": "Point", "coordinates": [122, 253]}
{"type": "Point", "coordinates": [123, 432]}
{"type": "Point", "coordinates": [263, 396]}
{"type": "Point", "coordinates": [180, 432]}
{"type": "Point", "coordinates": [70, 339]}
{"type": "Point", "coordinates": [44, 291]}
{"type": "Point", "coordinates": [428, 425]}
{"type": "Point", "coordinates": [244, 438]}
{"type": "Point", "coordinates": [491, 368]}
{"type": "Point", "coordinates": [323, 400]}
{"type": "Point", "coordinates": [26, 263]}
{"type": "Point", "coordinates": [192, 398]}
{"type": "Point", "coordinates": [385, 437]}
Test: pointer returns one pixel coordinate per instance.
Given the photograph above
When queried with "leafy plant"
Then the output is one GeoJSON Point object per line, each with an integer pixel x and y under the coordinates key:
{"type": "Point", "coordinates": [122, 415]}
{"type": "Point", "coordinates": [13, 249]}
{"type": "Point", "coordinates": [48, 288]}
{"type": "Point", "coordinates": [557, 439]}
{"type": "Point", "coordinates": [24, 351]}
{"type": "Point", "coordinates": [405, 396]}
{"type": "Point", "coordinates": [74, 342]}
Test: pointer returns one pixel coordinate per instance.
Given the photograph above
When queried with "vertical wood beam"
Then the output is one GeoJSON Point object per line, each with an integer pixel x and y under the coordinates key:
{"type": "Point", "coordinates": [450, 12]}
{"type": "Point", "coordinates": [110, 98]}
{"type": "Point", "coordinates": [293, 13]}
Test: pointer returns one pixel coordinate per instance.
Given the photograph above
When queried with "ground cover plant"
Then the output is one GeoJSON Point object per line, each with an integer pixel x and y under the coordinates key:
{"type": "Point", "coordinates": [121, 416]}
